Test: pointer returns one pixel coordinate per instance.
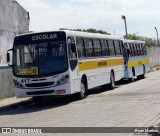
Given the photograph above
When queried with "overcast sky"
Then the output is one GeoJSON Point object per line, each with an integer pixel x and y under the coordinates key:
{"type": "Point", "coordinates": [48, 15]}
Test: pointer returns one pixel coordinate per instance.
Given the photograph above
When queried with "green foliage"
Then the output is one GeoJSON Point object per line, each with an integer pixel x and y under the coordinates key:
{"type": "Point", "coordinates": [91, 30]}
{"type": "Point", "coordinates": [133, 37]}
{"type": "Point", "coordinates": [149, 41]}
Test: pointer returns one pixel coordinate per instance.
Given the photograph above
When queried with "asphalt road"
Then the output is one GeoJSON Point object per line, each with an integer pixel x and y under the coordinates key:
{"type": "Point", "coordinates": [129, 105]}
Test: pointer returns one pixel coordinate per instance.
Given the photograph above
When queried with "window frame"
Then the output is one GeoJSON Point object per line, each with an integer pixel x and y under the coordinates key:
{"type": "Point", "coordinates": [109, 45]}
{"type": "Point", "coordinates": [82, 48]}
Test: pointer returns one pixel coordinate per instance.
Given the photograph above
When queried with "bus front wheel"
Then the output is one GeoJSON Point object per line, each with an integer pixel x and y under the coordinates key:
{"type": "Point", "coordinates": [82, 93]}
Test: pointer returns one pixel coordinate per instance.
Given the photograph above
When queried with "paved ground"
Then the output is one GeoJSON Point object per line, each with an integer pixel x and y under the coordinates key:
{"type": "Point", "coordinates": [129, 105]}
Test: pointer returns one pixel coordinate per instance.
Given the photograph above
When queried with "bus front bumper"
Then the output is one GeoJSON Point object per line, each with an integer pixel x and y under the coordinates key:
{"type": "Point", "coordinates": [56, 90]}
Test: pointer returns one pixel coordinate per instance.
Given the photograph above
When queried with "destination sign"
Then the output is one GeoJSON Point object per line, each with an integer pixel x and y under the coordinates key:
{"type": "Point", "coordinates": [44, 37]}
{"type": "Point", "coordinates": [35, 38]}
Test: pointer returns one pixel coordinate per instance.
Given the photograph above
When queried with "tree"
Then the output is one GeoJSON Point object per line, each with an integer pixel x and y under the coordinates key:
{"type": "Point", "coordinates": [149, 41]}
{"type": "Point", "coordinates": [133, 37]}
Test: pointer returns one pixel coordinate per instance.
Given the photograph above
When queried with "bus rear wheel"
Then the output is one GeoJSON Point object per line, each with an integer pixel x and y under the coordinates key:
{"type": "Point", "coordinates": [112, 81]}
{"type": "Point", "coordinates": [131, 79]}
{"type": "Point", "coordinates": [144, 73]}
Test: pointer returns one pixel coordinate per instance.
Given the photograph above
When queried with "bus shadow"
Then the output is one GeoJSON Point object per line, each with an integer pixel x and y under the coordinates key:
{"type": "Point", "coordinates": [49, 103]}
{"type": "Point", "coordinates": [52, 102]}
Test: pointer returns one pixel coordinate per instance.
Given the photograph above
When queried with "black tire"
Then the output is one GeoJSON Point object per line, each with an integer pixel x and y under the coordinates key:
{"type": "Point", "coordinates": [131, 79]}
{"type": "Point", "coordinates": [112, 81]}
{"type": "Point", "coordinates": [144, 73]}
{"type": "Point", "coordinates": [38, 99]}
{"type": "Point", "coordinates": [82, 93]}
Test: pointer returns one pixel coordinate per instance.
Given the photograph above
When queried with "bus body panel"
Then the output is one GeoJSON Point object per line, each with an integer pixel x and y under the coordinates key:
{"type": "Point", "coordinates": [21, 93]}
{"type": "Point", "coordinates": [99, 75]}
{"type": "Point", "coordinates": [96, 69]}
{"type": "Point", "coordinates": [138, 63]}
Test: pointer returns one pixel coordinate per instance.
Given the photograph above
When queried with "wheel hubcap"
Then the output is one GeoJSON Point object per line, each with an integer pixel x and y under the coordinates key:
{"type": "Point", "coordinates": [82, 89]}
{"type": "Point", "coordinates": [112, 81]}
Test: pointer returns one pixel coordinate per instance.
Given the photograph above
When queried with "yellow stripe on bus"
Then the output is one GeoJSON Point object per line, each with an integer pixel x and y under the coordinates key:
{"type": "Point", "coordinates": [137, 63]}
{"type": "Point", "coordinates": [99, 64]}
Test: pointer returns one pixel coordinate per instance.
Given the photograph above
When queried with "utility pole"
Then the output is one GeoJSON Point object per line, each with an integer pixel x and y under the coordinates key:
{"type": "Point", "coordinates": [157, 36]}
{"type": "Point", "coordinates": [124, 18]}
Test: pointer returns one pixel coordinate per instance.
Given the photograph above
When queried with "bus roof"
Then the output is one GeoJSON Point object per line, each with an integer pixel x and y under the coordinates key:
{"type": "Point", "coordinates": [78, 34]}
{"type": "Point", "coordinates": [91, 35]}
{"type": "Point", "coordinates": [133, 41]}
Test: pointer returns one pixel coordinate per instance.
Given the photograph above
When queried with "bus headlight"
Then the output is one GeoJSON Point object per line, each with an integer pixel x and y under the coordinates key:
{"type": "Point", "coordinates": [63, 80]}
{"type": "Point", "coordinates": [17, 84]}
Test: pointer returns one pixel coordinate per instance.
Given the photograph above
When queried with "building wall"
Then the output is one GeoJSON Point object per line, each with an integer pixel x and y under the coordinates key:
{"type": "Point", "coordinates": [14, 20]}
{"type": "Point", "coordinates": [154, 56]}
{"type": "Point", "coordinates": [6, 82]}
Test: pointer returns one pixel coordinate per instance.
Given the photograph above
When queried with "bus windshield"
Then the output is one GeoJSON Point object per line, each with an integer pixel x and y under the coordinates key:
{"type": "Point", "coordinates": [40, 59]}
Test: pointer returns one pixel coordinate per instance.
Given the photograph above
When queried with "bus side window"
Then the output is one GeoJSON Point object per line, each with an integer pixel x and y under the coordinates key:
{"type": "Point", "coordinates": [117, 47]}
{"type": "Point", "coordinates": [88, 47]}
{"type": "Point", "coordinates": [80, 47]}
{"type": "Point", "coordinates": [105, 49]}
{"type": "Point", "coordinates": [134, 49]}
{"type": "Point", "coordinates": [97, 47]}
{"type": "Point", "coordinates": [142, 51]}
{"type": "Point", "coordinates": [111, 48]}
{"type": "Point", "coordinates": [131, 50]}
{"type": "Point", "coordinates": [139, 49]}
{"type": "Point", "coordinates": [145, 49]}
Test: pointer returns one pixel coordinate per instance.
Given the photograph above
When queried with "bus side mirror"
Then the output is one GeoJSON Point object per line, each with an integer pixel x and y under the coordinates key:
{"type": "Point", "coordinates": [9, 60]}
{"type": "Point", "coordinates": [8, 57]}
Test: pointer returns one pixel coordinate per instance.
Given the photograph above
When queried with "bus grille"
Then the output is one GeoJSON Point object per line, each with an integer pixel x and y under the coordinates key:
{"type": "Point", "coordinates": [40, 84]}
{"type": "Point", "coordinates": [40, 92]}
